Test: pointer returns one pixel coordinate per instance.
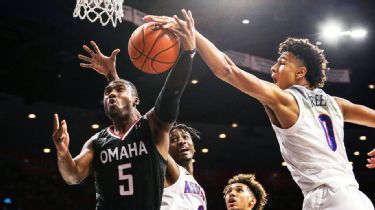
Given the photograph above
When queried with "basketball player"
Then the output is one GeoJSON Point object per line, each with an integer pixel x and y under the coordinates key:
{"type": "Point", "coordinates": [308, 122]}
{"type": "Point", "coordinates": [181, 190]}
{"type": "Point", "coordinates": [245, 193]}
{"type": "Point", "coordinates": [129, 158]}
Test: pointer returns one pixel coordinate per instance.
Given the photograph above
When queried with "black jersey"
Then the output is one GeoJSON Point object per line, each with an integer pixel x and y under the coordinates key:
{"type": "Point", "coordinates": [129, 171]}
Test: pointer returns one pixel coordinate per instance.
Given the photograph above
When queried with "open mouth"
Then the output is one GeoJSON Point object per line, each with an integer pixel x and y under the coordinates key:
{"type": "Point", "coordinates": [111, 101]}
{"type": "Point", "coordinates": [231, 200]}
{"type": "Point", "coordinates": [183, 149]}
{"type": "Point", "coordinates": [274, 80]}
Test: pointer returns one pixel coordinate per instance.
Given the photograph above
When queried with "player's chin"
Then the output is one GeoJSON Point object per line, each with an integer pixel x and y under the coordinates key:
{"type": "Point", "coordinates": [232, 206]}
{"type": "Point", "coordinates": [113, 113]}
{"type": "Point", "coordinates": [185, 157]}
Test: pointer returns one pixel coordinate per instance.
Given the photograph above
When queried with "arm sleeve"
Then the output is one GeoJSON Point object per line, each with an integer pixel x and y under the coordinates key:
{"type": "Point", "coordinates": [167, 103]}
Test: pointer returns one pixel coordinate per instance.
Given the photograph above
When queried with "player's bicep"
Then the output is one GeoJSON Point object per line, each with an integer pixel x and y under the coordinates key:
{"type": "Point", "coordinates": [265, 92]}
{"type": "Point", "coordinates": [172, 172]}
{"type": "Point", "coordinates": [356, 113]}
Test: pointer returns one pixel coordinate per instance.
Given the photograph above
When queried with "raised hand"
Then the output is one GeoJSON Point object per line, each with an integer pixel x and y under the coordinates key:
{"type": "Point", "coordinates": [60, 135]}
{"type": "Point", "coordinates": [100, 63]}
{"type": "Point", "coordinates": [371, 160]}
{"type": "Point", "coordinates": [184, 29]}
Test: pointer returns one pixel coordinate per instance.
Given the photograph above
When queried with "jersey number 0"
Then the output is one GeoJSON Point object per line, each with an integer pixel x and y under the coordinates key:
{"type": "Point", "coordinates": [327, 126]}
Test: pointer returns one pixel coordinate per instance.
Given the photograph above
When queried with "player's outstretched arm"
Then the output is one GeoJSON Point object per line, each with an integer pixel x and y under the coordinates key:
{"type": "Point", "coordinates": [371, 159]}
{"type": "Point", "coordinates": [100, 63]}
{"type": "Point", "coordinates": [224, 68]}
{"type": "Point", "coordinates": [356, 113]}
{"type": "Point", "coordinates": [360, 115]}
{"type": "Point", "coordinates": [73, 171]}
{"type": "Point", "coordinates": [166, 107]}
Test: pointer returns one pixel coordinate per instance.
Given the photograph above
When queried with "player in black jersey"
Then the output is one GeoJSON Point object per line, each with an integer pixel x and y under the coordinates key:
{"type": "Point", "coordinates": [127, 159]}
{"type": "Point", "coordinates": [181, 148]}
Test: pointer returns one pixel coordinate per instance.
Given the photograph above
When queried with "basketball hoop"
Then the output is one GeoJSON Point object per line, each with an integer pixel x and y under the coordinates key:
{"type": "Point", "coordinates": [104, 10]}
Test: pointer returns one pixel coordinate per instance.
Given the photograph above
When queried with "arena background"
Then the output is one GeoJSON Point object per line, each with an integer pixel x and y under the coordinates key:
{"type": "Point", "coordinates": [40, 74]}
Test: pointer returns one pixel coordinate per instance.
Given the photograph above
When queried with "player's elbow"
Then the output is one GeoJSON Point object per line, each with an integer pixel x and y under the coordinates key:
{"type": "Point", "coordinates": [72, 180]}
{"type": "Point", "coordinates": [223, 71]}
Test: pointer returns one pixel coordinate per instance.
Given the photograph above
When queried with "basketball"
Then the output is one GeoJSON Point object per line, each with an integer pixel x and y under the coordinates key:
{"type": "Point", "coordinates": [153, 49]}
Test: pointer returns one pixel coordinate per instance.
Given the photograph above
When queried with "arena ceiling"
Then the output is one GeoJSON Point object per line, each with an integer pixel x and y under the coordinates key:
{"type": "Point", "coordinates": [40, 41]}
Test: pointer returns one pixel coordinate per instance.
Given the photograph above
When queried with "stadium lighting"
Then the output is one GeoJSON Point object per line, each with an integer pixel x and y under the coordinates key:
{"type": "Point", "coordinates": [358, 33]}
{"type": "Point", "coordinates": [47, 150]}
{"type": "Point", "coordinates": [363, 138]}
{"type": "Point", "coordinates": [332, 30]}
{"type": "Point", "coordinates": [204, 150]}
{"type": "Point", "coordinates": [95, 126]}
{"type": "Point", "coordinates": [245, 21]}
{"type": "Point", "coordinates": [31, 116]}
{"type": "Point", "coordinates": [194, 81]}
{"type": "Point", "coordinates": [222, 136]}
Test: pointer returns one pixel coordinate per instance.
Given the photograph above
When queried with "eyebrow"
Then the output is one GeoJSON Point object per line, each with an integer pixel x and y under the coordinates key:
{"type": "Point", "coordinates": [235, 187]}
{"type": "Point", "coordinates": [227, 190]}
{"type": "Point", "coordinates": [282, 58]}
{"type": "Point", "coordinates": [112, 86]}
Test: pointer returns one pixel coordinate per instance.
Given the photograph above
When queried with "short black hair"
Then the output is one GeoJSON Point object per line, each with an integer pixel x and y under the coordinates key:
{"type": "Point", "coordinates": [193, 132]}
{"type": "Point", "coordinates": [311, 55]}
{"type": "Point", "coordinates": [255, 187]}
{"type": "Point", "coordinates": [134, 91]}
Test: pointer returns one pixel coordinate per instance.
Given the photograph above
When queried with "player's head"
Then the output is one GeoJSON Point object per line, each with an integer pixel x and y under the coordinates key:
{"type": "Point", "coordinates": [245, 193]}
{"type": "Point", "coordinates": [301, 63]}
{"type": "Point", "coordinates": [181, 146]}
{"type": "Point", "coordinates": [120, 97]}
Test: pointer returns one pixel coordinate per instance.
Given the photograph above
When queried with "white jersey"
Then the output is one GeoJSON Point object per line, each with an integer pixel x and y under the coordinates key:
{"type": "Point", "coordinates": [185, 194]}
{"type": "Point", "coordinates": [313, 147]}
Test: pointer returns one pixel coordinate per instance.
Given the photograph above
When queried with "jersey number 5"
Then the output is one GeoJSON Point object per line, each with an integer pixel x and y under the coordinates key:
{"type": "Point", "coordinates": [128, 177]}
{"type": "Point", "coordinates": [326, 123]}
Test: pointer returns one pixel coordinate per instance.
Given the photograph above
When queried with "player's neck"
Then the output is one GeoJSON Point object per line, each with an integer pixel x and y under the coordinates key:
{"type": "Point", "coordinates": [189, 167]}
{"type": "Point", "coordinates": [303, 82]}
{"type": "Point", "coordinates": [122, 125]}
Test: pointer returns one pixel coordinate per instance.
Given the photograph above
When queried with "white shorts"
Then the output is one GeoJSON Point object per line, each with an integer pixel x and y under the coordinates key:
{"type": "Point", "coordinates": [327, 198]}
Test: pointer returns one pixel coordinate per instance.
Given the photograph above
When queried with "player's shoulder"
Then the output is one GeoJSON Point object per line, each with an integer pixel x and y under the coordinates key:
{"type": "Point", "coordinates": [100, 135]}
{"type": "Point", "coordinates": [299, 90]}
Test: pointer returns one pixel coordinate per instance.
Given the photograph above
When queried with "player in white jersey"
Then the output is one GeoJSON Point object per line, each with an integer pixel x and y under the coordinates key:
{"type": "Point", "coordinates": [324, 174]}
{"type": "Point", "coordinates": [245, 193]}
{"type": "Point", "coordinates": [181, 190]}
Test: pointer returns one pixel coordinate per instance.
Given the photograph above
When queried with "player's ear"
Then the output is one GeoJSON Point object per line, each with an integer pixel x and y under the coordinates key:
{"type": "Point", "coordinates": [252, 201]}
{"type": "Point", "coordinates": [301, 72]}
{"type": "Point", "coordinates": [136, 101]}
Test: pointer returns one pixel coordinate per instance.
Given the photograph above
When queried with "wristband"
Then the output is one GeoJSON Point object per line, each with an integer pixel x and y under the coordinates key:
{"type": "Point", "coordinates": [191, 52]}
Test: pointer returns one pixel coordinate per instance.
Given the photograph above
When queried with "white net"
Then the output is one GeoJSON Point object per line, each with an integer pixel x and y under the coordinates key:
{"type": "Point", "coordinates": [104, 10]}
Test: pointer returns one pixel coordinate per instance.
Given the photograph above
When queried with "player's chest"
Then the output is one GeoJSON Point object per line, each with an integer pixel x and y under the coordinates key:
{"type": "Point", "coordinates": [118, 150]}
